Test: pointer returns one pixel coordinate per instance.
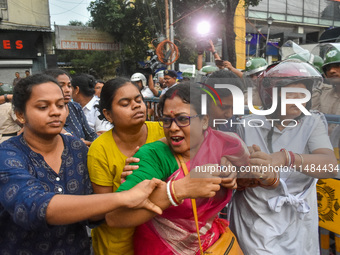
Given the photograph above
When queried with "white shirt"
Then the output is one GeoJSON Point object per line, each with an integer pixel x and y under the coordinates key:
{"type": "Point", "coordinates": [166, 89]}
{"type": "Point", "coordinates": [92, 112]}
{"type": "Point", "coordinates": [283, 220]}
{"type": "Point", "coordinates": [147, 93]}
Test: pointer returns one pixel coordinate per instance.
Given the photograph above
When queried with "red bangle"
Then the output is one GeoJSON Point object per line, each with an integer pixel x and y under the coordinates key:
{"type": "Point", "coordinates": [275, 180]}
{"type": "Point", "coordinates": [173, 194]}
{"type": "Point", "coordinates": [292, 156]}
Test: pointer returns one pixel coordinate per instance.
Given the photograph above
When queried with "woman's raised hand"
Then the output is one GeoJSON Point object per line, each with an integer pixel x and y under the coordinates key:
{"type": "Point", "coordinates": [127, 170]}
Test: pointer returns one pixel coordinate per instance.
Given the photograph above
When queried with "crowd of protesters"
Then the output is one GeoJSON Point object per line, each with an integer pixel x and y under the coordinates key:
{"type": "Point", "coordinates": [77, 152]}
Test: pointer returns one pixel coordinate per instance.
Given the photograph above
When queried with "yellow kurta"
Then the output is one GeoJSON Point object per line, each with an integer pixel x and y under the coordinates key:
{"type": "Point", "coordinates": [105, 166]}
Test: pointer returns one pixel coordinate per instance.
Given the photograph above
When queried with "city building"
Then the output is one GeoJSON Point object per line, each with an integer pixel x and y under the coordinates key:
{"type": "Point", "coordinates": [26, 38]}
{"type": "Point", "coordinates": [302, 21]}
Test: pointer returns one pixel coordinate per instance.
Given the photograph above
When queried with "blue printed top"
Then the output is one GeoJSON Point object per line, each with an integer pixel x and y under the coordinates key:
{"type": "Point", "coordinates": [27, 184]}
{"type": "Point", "coordinates": [76, 123]}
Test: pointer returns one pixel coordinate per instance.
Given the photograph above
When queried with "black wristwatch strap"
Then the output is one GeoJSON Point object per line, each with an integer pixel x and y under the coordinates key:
{"type": "Point", "coordinates": [6, 98]}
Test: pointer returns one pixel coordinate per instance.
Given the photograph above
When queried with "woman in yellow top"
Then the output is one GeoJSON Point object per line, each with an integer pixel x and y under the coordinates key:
{"type": "Point", "coordinates": [121, 104]}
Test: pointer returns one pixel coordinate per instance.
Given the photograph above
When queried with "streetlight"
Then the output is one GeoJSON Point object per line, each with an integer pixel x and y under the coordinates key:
{"type": "Point", "coordinates": [248, 39]}
{"type": "Point", "coordinates": [257, 41]}
{"type": "Point", "coordinates": [269, 22]}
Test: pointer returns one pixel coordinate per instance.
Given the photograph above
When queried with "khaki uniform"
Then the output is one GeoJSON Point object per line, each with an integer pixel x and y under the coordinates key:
{"type": "Point", "coordinates": [326, 100]}
{"type": "Point", "coordinates": [8, 125]}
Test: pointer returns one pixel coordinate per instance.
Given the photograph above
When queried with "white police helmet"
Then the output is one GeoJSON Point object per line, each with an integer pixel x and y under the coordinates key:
{"type": "Point", "coordinates": [139, 77]}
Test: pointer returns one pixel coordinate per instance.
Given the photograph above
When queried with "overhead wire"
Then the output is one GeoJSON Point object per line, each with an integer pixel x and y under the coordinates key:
{"type": "Point", "coordinates": [69, 9]}
{"type": "Point", "coordinates": [190, 13]}
{"type": "Point", "coordinates": [148, 9]}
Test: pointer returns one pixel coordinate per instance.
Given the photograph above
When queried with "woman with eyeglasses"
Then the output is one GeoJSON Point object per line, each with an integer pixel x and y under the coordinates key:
{"type": "Point", "coordinates": [121, 104]}
{"type": "Point", "coordinates": [188, 143]}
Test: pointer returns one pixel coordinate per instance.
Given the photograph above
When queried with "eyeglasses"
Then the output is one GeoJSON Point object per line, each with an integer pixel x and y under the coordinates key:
{"type": "Point", "coordinates": [181, 121]}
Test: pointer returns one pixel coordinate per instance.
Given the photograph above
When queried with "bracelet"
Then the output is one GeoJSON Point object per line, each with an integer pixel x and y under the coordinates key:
{"type": "Point", "coordinates": [169, 193]}
{"type": "Point", "coordinates": [6, 98]}
{"type": "Point", "coordinates": [276, 179]}
{"type": "Point", "coordinates": [173, 194]}
{"type": "Point", "coordinates": [215, 52]}
{"type": "Point", "coordinates": [287, 163]}
{"type": "Point", "coordinates": [292, 156]}
{"type": "Point", "coordinates": [301, 160]}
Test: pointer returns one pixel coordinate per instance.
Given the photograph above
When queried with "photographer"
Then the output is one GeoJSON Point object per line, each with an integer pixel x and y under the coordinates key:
{"type": "Point", "coordinates": [200, 50]}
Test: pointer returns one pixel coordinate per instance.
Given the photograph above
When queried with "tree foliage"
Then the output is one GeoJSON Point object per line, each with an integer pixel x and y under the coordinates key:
{"type": "Point", "coordinates": [136, 24]}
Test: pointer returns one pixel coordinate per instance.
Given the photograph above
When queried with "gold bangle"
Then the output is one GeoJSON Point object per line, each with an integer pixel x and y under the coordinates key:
{"type": "Point", "coordinates": [302, 161]}
{"type": "Point", "coordinates": [174, 194]}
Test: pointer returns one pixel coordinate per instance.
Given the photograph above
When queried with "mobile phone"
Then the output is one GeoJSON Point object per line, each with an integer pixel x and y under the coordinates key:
{"type": "Point", "coordinates": [219, 62]}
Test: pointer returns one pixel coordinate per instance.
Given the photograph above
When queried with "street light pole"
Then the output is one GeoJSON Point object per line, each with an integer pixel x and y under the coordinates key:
{"type": "Point", "coordinates": [171, 27]}
{"type": "Point", "coordinates": [269, 22]}
{"type": "Point", "coordinates": [248, 38]}
{"type": "Point", "coordinates": [257, 41]}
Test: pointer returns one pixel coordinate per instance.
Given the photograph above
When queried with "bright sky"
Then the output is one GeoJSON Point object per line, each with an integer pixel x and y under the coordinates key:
{"type": "Point", "coordinates": [63, 11]}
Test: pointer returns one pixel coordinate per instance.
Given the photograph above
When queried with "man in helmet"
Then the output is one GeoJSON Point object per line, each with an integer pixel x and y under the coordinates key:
{"type": "Point", "coordinates": [147, 91]}
{"type": "Point", "coordinates": [312, 59]}
{"type": "Point", "coordinates": [140, 80]}
{"type": "Point", "coordinates": [326, 98]}
{"type": "Point", "coordinates": [276, 212]}
{"type": "Point", "coordinates": [254, 67]}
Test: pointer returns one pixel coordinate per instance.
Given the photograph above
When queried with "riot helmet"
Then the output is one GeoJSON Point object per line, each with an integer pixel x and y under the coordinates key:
{"type": "Point", "coordinates": [284, 73]}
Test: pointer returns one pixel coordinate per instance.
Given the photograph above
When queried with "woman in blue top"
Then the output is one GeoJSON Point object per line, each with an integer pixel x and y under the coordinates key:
{"type": "Point", "coordinates": [44, 183]}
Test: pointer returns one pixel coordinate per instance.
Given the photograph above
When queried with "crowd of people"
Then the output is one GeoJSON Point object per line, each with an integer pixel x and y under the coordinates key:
{"type": "Point", "coordinates": [78, 152]}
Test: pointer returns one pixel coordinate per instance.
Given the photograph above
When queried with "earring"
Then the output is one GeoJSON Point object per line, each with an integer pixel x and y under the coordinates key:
{"type": "Point", "coordinates": [205, 126]}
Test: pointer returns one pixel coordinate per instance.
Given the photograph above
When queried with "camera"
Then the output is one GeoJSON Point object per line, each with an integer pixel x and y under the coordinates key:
{"type": "Point", "coordinates": [203, 45]}
{"type": "Point", "coordinates": [153, 65]}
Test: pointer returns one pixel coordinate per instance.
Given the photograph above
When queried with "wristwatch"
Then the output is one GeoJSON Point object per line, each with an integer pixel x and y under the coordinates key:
{"type": "Point", "coordinates": [6, 98]}
{"type": "Point", "coordinates": [214, 52]}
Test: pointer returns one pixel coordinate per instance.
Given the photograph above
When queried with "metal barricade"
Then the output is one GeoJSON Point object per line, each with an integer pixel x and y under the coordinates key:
{"type": "Point", "coordinates": [152, 108]}
{"type": "Point", "coordinates": [328, 195]}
